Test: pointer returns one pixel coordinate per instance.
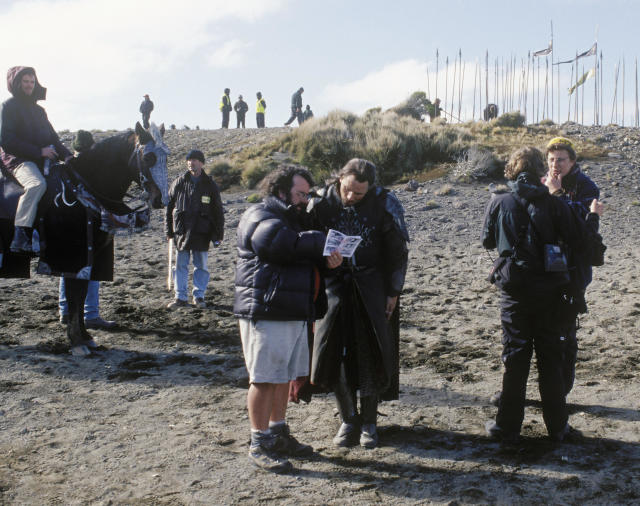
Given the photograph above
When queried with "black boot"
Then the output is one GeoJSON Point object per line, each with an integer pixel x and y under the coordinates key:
{"type": "Point", "coordinates": [346, 399]}
{"type": "Point", "coordinates": [369, 415]}
{"type": "Point", "coordinates": [21, 243]}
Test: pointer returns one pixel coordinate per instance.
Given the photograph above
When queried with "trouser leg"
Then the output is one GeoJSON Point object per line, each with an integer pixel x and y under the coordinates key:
{"type": "Point", "coordinates": [182, 274]}
{"type": "Point", "coordinates": [92, 301]}
{"type": "Point", "coordinates": [34, 185]}
{"type": "Point", "coordinates": [369, 409]}
{"type": "Point", "coordinates": [570, 355]}
{"type": "Point", "coordinates": [516, 357]}
{"type": "Point", "coordinates": [200, 274]}
{"type": "Point", "coordinates": [551, 373]}
{"type": "Point", "coordinates": [345, 398]}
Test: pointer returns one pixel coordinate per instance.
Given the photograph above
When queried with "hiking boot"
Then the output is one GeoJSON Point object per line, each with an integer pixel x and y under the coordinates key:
{"type": "Point", "coordinates": [268, 460]}
{"type": "Point", "coordinates": [199, 303]}
{"type": "Point", "coordinates": [347, 435]}
{"type": "Point", "coordinates": [494, 431]}
{"type": "Point", "coordinates": [286, 444]}
{"type": "Point", "coordinates": [494, 400]}
{"type": "Point", "coordinates": [99, 323]}
{"type": "Point", "coordinates": [177, 303]}
{"type": "Point", "coordinates": [369, 435]}
{"type": "Point", "coordinates": [21, 242]}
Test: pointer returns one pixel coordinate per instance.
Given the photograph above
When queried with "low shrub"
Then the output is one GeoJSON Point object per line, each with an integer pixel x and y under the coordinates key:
{"type": "Point", "coordinates": [513, 119]}
{"type": "Point", "coordinates": [253, 172]}
{"type": "Point", "coordinates": [254, 198]}
{"type": "Point", "coordinates": [224, 174]}
{"type": "Point", "coordinates": [476, 163]}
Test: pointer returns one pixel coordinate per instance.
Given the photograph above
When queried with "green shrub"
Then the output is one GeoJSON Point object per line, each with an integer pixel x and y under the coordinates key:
{"type": "Point", "coordinates": [513, 119]}
{"type": "Point", "coordinates": [253, 172]}
{"type": "Point", "coordinates": [254, 198]}
{"type": "Point", "coordinates": [224, 174]}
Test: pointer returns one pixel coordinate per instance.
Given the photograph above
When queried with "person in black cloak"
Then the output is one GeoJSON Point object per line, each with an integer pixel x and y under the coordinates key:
{"type": "Point", "coordinates": [356, 343]}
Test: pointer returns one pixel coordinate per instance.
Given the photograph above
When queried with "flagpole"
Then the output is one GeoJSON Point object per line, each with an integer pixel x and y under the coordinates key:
{"type": "Point", "coordinates": [575, 112]}
{"type": "Point", "coordinates": [601, 89]}
{"type": "Point", "coordinates": [446, 82]}
{"type": "Point", "coordinates": [428, 87]}
{"type": "Point", "coordinates": [569, 105]}
{"type": "Point", "coordinates": [464, 66]}
{"type": "Point", "coordinates": [623, 80]}
{"type": "Point", "coordinates": [437, 57]}
{"type": "Point", "coordinates": [453, 85]}
{"type": "Point", "coordinates": [551, 70]}
{"type": "Point", "coordinates": [583, 92]}
{"type": "Point", "coordinates": [475, 87]}
{"type": "Point", "coordinates": [637, 112]}
{"type": "Point", "coordinates": [486, 77]}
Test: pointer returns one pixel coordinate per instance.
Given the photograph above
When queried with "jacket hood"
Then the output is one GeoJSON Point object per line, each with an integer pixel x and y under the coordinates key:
{"type": "Point", "coordinates": [14, 79]}
{"type": "Point", "coordinates": [528, 187]}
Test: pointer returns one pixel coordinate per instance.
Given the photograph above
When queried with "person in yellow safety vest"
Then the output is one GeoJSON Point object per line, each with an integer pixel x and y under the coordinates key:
{"type": "Point", "coordinates": [225, 107]}
{"type": "Point", "coordinates": [261, 105]}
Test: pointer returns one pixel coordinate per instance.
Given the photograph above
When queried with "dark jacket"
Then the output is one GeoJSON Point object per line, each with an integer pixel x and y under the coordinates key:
{"type": "Point", "coordinates": [377, 271]}
{"type": "Point", "coordinates": [194, 215]}
{"type": "Point", "coordinates": [146, 107]}
{"type": "Point", "coordinates": [240, 107]}
{"type": "Point", "coordinates": [24, 126]}
{"type": "Point", "coordinates": [296, 100]}
{"type": "Point", "coordinates": [578, 190]}
{"type": "Point", "coordinates": [276, 273]}
{"type": "Point", "coordinates": [551, 221]}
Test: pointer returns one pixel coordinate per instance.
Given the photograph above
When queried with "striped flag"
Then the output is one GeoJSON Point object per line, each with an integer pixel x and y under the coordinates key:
{"type": "Point", "coordinates": [582, 80]}
{"type": "Point", "coordinates": [545, 52]}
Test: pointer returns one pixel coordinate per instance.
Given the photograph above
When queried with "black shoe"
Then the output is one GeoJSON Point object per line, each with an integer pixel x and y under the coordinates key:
{"type": "Point", "coordinates": [494, 431]}
{"type": "Point", "coordinates": [99, 323]}
{"type": "Point", "coordinates": [199, 303]}
{"type": "Point", "coordinates": [21, 242]}
{"type": "Point", "coordinates": [348, 435]}
{"type": "Point", "coordinates": [268, 460]}
{"type": "Point", "coordinates": [286, 444]}
{"type": "Point", "coordinates": [178, 303]}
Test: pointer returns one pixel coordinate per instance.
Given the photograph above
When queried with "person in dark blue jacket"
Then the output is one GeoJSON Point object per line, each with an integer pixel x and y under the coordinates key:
{"type": "Point", "coordinates": [519, 224]}
{"type": "Point", "coordinates": [278, 294]}
{"type": "Point", "coordinates": [566, 181]}
{"type": "Point", "coordinates": [27, 143]}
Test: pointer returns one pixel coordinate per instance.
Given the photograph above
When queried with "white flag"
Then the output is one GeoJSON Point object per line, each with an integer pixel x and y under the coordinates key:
{"type": "Point", "coordinates": [582, 80]}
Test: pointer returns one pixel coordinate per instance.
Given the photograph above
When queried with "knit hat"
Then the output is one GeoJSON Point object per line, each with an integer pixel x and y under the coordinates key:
{"type": "Point", "coordinates": [195, 154]}
{"type": "Point", "coordinates": [82, 141]}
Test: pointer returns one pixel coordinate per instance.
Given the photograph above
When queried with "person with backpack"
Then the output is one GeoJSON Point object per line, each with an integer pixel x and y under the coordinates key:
{"type": "Point", "coordinates": [528, 226]}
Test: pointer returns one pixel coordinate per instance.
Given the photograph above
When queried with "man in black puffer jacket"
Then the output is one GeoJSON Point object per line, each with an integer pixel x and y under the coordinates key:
{"type": "Point", "coordinates": [194, 218]}
{"type": "Point", "coordinates": [278, 295]}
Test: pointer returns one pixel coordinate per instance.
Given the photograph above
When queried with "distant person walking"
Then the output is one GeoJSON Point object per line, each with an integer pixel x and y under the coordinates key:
{"type": "Point", "coordinates": [296, 107]}
{"type": "Point", "coordinates": [194, 218]}
{"type": "Point", "coordinates": [241, 109]}
{"type": "Point", "coordinates": [145, 108]}
{"type": "Point", "coordinates": [261, 105]}
{"type": "Point", "coordinates": [308, 113]}
{"type": "Point", "coordinates": [225, 107]}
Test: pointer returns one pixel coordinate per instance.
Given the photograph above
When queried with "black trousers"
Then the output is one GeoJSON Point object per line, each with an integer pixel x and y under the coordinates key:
{"type": "Point", "coordinates": [240, 120]}
{"type": "Point", "coordinates": [260, 119]}
{"type": "Point", "coordinates": [145, 120]}
{"type": "Point", "coordinates": [225, 119]}
{"type": "Point", "coordinates": [529, 324]}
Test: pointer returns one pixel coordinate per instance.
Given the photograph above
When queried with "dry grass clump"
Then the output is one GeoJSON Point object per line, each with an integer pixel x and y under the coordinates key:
{"type": "Point", "coordinates": [445, 189]}
{"type": "Point", "coordinates": [224, 174]}
{"type": "Point", "coordinates": [477, 163]}
{"type": "Point", "coordinates": [398, 145]}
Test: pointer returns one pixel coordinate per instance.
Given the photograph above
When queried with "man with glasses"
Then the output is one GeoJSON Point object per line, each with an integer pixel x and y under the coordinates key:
{"type": "Point", "coordinates": [278, 295]}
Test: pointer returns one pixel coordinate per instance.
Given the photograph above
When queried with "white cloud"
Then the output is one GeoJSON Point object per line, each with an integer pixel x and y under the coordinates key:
{"type": "Point", "coordinates": [229, 55]}
{"type": "Point", "coordinates": [88, 50]}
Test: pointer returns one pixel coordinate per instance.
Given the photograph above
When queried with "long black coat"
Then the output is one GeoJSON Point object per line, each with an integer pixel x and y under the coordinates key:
{"type": "Point", "coordinates": [377, 272]}
{"type": "Point", "coordinates": [194, 215]}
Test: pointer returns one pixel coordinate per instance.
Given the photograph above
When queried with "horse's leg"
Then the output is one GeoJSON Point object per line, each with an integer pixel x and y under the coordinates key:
{"type": "Point", "coordinates": [76, 291]}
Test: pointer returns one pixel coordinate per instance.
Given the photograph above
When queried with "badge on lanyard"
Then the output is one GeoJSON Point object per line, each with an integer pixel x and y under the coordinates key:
{"type": "Point", "coordinates": [206, 199]}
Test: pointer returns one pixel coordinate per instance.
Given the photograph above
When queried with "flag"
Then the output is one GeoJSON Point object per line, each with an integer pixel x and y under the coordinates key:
{"type": "Point", "coordinates": [545, 52]}
{"type": "Point", "coordinates": [581, 81]}
{"type": "Point", "coordinates": [589, 52]}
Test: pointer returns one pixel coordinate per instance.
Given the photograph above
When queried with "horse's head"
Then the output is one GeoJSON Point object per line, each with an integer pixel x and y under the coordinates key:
{"type": "Point", "coordinates": [150, 160]}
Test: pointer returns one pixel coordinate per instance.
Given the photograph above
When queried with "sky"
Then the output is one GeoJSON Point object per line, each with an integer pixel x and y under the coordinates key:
{"type": "Point", "coordinates": [99, 57]}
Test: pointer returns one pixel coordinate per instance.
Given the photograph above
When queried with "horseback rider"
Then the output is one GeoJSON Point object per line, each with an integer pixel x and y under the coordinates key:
{"type": "Point", "coordinates": [27, 140]}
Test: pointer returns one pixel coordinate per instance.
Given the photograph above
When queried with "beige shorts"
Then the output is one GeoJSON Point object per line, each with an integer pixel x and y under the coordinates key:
{"type": "Point", "coordinates": [274, 351]}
